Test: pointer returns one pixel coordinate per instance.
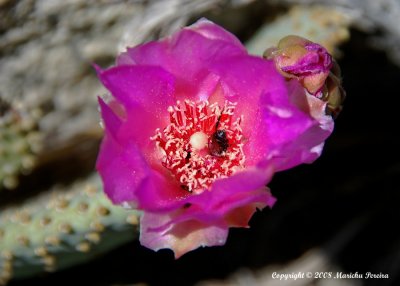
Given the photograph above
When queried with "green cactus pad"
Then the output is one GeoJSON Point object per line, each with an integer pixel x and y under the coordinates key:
{"type": "Point", "coordinates": [323, 25]}
{"type": "Point", "coordinates": [20, 143]}
{"type": "Point", "coordinates": [60, 228]}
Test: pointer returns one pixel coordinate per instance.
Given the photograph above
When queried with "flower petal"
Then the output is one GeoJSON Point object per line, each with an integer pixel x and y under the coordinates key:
{"type": "Point", "coordinates": [111, 121]}
{"type": "Point", "coordinates": [148, 87]}
{"type": "Point", "coordinates": [205, 219]}
{"type": "Point", "coordinates": [122, 169]}
{"type": "Point", "coordinates": [160, 192]}
{"type": "Point", "coordinates": [128, 177]}
{"type": "Point", "coordinates": [234, 191]}
{"type": "Point", "coordinates": [186, 54]}
{"type": "Point", "coordinates": [227, 195]}
{"type": "Point", "coordinates": [180, 238]}
{"type": "Point", "coordinates": [211, 31]}
{"type": "Point", "coordinates": [289, 134]}
{"type": "Point", "coordinates": [272, 123]}
{"type": "Point", "coordinates": [146, 93]}
{"type": "Point", "coordinates": [243, 80]}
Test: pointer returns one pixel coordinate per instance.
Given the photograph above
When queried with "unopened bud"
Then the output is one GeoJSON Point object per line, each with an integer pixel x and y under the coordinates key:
{"type": "Point", "coordinates": [299, 59]}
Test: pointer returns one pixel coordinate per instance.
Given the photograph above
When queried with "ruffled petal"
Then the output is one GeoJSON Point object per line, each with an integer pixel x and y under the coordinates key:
{"type": "Point", "coordinates": [202, 41]}
{"type": "Point", "coordinates": [211, 31]}
{"type": "Point", "coordinates": [204, 219]}
{"type": "Point", "coordinates": [180, 238]}
{"type": "Point", "coordinates": [234, 191]}
{"type": "Point", "coordinates": [227, 195]}
{"type": "Point", "coordinates": [223, 212]}
{"type": "Point", "coordinates": [240, 217]}
{"type": "Point", "coordinates": [186, 54]}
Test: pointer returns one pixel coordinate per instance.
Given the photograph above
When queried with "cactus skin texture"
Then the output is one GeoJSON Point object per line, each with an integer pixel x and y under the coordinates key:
{"type": "Point", "coordinates": [60, 228]}
{"type": "Point", "coordinates": [323, 25]}
{"type": "Point", "coordinates": [20, 142]}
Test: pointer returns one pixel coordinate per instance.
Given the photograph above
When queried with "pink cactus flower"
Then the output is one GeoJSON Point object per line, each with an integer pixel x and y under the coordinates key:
{"type": "Point", "coordinates": [194, 132]}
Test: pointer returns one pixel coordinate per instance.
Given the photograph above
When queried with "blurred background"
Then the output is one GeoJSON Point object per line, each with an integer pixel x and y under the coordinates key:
{"type": "Point", "coordinates": [339, 214]}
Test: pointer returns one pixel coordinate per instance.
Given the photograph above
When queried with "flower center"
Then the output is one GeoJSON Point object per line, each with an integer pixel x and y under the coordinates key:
{"type": "Point", "coordinates": [201, 143]}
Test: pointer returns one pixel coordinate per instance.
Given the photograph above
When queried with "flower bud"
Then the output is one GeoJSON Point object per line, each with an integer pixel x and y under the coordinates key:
{"type": "Point", "coordinates": [333, 93]}
{"type": "Point", "coordinates": [311, 64]}
{"type": "Point", "coordinates": [296, 57]}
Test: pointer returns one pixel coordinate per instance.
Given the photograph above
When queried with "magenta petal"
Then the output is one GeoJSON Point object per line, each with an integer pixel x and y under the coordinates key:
{"type": "Point", "coordinates": [128, 177]}
{"type": "Point", "coordinates": [308, 146]}
{"type": "Point", "coordinates": [148, 87]}
{"type": "Point", "coordinates": [139, 126]}
{"type": "Point", "coordinates": [244, 79]}
{"type": "Point", "coordinates": [146, 93]}
{"type": "Point", "coordinates": [205, 220]}
{"type": "Point", "coordinates": [160, 192]}
{"type": "Point", "coordinates": [278, 123]}
{"type": "Point", "coordinates": [149, 54]}
{"type": "Point", "coordinates": [203, 41]}
{"type": "Point", "coordinates": [111, 121]}
{"type": "Point", "coordinates": [184, 237]}
{"type": "Point", "coordinates": [122, 169]}
{"type": "Point", "coordinates": [306, 149]}
{"type": "Point", "coordinates": [283, 121]}
{"type": "Point", "coordinates": [220, 213]}
{"type": "Point", "coordinates": [214, 32]}
{"type": "Point", "coordinates": [244, 188]}
{"type": "Point", "coordinates": [187, 53]}
{"type": "Point", "coordinates": [226, 191]}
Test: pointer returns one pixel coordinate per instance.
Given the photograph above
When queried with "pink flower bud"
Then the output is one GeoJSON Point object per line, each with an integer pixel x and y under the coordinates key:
{"type": "Point", "coordinates": [296, 57]}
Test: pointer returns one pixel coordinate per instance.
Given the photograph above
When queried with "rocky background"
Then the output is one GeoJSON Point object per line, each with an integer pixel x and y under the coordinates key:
{"type": "Point", "coordinates": [339, 214]}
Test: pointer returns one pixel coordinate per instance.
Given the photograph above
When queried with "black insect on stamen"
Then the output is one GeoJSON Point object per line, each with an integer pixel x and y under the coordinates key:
{"type": "Point", "coordinates": [186, 188]}
{"type": "Point", "coordinates": [218, 143]}
{"type": "Point", "coordinates": [188, 156]}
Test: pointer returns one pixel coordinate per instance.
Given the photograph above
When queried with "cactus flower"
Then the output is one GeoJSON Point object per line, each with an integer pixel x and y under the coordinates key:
{"type": "Point", "coordinates": [194, 131]}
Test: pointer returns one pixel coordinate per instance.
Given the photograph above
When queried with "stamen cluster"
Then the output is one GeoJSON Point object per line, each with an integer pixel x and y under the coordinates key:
{"type": "Point", "coordinates": [201, 143]}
